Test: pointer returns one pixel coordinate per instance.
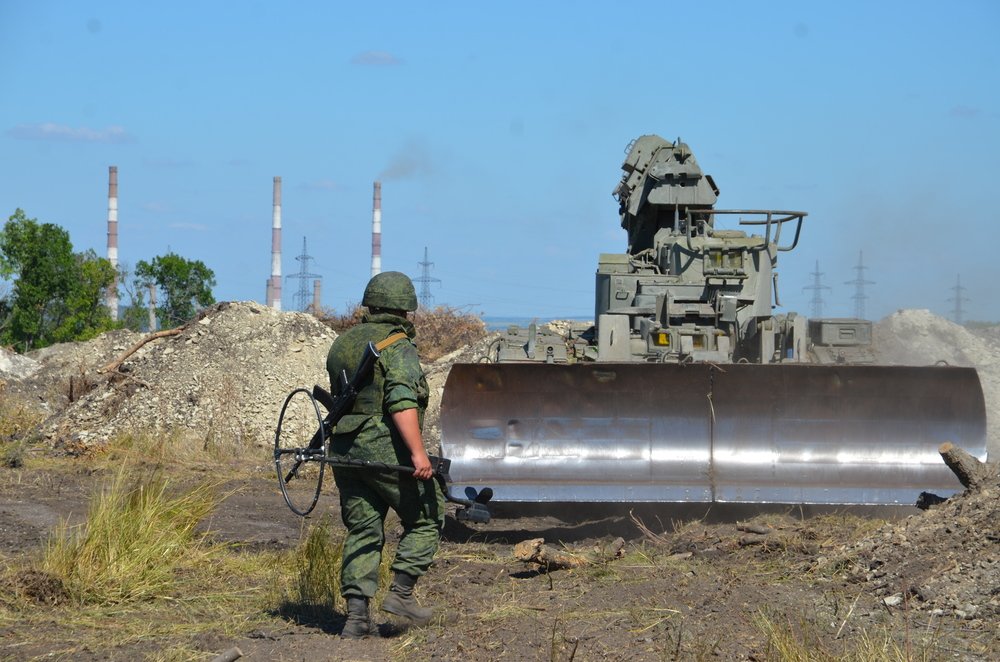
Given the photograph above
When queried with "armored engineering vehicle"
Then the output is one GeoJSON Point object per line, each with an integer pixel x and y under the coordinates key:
{"type": "Point", "coordinates": [690, 389]}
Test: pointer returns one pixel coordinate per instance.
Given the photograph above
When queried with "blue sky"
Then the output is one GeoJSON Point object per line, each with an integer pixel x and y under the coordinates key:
{"type": "Point", "coordinates": [498, 132]}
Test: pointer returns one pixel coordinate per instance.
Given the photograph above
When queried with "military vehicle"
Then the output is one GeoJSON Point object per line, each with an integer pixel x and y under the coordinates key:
{"type": "Point", "coordinates": [690, 389]}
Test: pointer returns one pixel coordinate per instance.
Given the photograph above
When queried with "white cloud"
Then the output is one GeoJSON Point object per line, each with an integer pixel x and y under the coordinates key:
{"type": "Point", "coordinates": [63, 133]}
{"type": "Point", "coordinates": [376, 58]}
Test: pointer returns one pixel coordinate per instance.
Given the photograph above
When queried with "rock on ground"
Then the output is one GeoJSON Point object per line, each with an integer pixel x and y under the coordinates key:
{"type": "Point", "coordinates": [945, 561]}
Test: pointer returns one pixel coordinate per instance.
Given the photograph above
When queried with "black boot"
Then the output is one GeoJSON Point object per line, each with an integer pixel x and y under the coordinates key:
{"type": "Point", "coordinates": [400, 601]}
{"type": "Point", "coordinates": [358, 622]}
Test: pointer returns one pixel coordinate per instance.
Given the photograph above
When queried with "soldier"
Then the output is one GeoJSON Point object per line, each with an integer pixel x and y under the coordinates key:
{"type": "Point", "coordinates": [384, 425]}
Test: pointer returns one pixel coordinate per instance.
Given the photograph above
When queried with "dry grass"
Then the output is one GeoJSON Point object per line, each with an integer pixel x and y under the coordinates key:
{"type": "Point", "coordinates": [801, 641]}
{"type": "Point", "coordinates": [440, 331]}
{"type": "Point", "coordinates": [136, 534]}
{"type": "Point", "coordinates": [443, 330]}
{"type": "Point", "coordinates": [318, 558]}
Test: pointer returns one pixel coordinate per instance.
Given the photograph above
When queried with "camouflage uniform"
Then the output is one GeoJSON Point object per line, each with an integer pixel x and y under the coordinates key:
{"type": "Point", "coordinates": [367, 433]}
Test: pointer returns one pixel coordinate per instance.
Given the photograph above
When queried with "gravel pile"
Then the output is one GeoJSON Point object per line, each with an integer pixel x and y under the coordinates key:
{"type": "Point", "coordinates": [13, 366]}
{"type": "Point", "coordinates": [222, 378]}
{"type": "Point", "coordinates": [52, 377]}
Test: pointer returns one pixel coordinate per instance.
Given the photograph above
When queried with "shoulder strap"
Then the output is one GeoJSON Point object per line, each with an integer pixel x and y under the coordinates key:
{"type": "Point", "coordinates": [389, 341]}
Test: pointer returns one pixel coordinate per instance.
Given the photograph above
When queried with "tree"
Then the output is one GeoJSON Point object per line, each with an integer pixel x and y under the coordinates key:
{"type": "Point", "coordinates": [57, 294]}
{"type": "Point", "coordinates": [182, 284]}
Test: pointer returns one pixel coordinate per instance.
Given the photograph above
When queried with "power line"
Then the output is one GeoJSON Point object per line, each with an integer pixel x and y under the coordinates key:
{"type": "Point", "coordinates": [425, 280]}
{"type": "Point", "coordinates": [859, 283]}
{"type": "Point", "coordinates": [817, 288]}
{"type": "Point", "coordinates": [303, 297]}
{"type": "Point", "coordinates": [956, 314]}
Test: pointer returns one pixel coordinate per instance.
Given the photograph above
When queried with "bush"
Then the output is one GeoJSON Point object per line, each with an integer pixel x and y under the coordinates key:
{"type": "Point", "coordinates": [443, 330]}
{"type": "Point", "coordinates": [440, 331]}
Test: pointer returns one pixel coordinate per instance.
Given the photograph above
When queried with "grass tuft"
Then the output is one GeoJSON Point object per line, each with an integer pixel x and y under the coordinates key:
{"type": "Point", "coordinates": [135, 535]}
{"type": "Point", "coordinates": [801, 642]}
{"type": "Point", "coordinates": [317, 586]}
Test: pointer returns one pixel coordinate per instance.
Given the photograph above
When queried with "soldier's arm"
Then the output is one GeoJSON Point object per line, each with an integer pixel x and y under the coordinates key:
{"type": "Point", "coordinates": [402, 376]}
{"type": "Point", "coordinates": [408, 424]}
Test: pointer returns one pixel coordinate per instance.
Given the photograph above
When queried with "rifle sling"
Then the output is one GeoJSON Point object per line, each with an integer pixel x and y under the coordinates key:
{"type": "Point", "coordinates": [389, 341]}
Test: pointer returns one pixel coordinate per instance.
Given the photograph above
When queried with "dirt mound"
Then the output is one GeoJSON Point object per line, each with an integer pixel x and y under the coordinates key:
{"type": "Point", "coordinates": [918, 337]}
{"type": "Point", "coordinates": [221, 379]}
{"type": "Point", "coordinates": [945, 561]}
{"type": "Point", "coordinates": [55, 376]}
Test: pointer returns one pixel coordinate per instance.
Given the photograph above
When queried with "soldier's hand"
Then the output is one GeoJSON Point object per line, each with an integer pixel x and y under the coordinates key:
{"type": "Point", "coordinates": [422, 469]}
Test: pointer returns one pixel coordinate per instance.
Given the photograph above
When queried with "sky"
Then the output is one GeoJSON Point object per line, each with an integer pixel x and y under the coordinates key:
{"type": "Point", "coordinates": [498, 131]}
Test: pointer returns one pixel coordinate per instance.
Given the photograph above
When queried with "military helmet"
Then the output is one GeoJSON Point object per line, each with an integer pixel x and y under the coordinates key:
{"type": "Point", "coordinates": [390, 289]}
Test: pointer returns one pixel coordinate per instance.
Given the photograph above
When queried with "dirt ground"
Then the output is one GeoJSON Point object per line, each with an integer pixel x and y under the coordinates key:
{"type": "Point", "coordinates": [691, 584]}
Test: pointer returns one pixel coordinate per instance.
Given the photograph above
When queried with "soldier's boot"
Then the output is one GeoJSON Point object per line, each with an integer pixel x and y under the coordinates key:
{"type": "Point", "coordinates": [400, 601]}
{"type": "Point", "coordinates": [358, 622]}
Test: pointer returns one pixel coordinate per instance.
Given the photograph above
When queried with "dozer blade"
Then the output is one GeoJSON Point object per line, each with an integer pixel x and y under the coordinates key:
{"type": "Point", "coordinates": [701, 433]}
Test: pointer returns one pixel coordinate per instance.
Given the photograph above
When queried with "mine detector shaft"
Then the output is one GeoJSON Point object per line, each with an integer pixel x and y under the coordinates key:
{"type": "Point", "coordinates": [690, 389]}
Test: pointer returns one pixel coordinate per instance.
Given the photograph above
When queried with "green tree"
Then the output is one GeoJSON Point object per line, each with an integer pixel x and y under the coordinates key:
{"type": "Point", "coordinates": [183, 284]}
{"type": "Point", "coordinates": [57, 294]}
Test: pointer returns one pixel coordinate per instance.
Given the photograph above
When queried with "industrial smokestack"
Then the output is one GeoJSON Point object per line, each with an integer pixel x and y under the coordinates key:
{"type": "Point", "coordinates": [377, 230]}
{"type": "Point", "coordinates": [315, 305]}
{"type": "Point", "coordinates": [113, 239]}
{"type": "Point", "coordinates": [152, 307]}
{"type": "Point", "coordinates": [274, 290]}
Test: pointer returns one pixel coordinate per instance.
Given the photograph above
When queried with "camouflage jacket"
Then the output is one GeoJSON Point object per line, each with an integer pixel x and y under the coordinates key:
{"type": "Point", "coordinates": [397, 383]}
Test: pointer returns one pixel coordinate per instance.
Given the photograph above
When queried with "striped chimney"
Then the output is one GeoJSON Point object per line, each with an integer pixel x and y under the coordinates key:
{"type": "Point", "coordinates": [152, 307]}
{"type": "Point", "coordinates": [315, 306]}
{"type": "Point", "coordinates": [377, 230]}
{"type": "Point", "coordinates": [274, 291]}
{"type": "Point", "coordinates": [113, 239]}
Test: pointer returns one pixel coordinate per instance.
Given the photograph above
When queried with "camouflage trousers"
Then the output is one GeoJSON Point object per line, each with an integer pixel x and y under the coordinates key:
{"type": "Point", "coordinates": [365, 500]}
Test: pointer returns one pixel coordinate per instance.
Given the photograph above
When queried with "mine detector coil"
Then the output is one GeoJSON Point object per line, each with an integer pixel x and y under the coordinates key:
{"type": "Point", "coordinates": [290, 459]}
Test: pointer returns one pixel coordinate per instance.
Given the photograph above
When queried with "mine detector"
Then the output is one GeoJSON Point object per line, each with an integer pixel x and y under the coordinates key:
{"type": "Point", "coordinates": [690, 389]}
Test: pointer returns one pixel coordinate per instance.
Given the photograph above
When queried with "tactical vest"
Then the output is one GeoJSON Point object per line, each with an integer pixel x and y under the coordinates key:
{"type": "Point", "coordinates": [349, 348]}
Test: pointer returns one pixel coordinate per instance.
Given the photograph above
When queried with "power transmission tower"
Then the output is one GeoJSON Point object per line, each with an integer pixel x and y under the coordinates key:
{"type": "Point", "coordinates": [425, 280]}
{"type": "Point", "coordinates": [817, 288]}
{"type": "Point", "coordinates": [303, 297]}
{"type": "Point", "coordinates": [956, 313]}
{"type": "Point", "coordinates": [859, 283]}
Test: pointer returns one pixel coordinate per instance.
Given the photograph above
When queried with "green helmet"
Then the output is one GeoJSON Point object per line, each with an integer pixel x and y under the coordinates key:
{"type": "Point", "coordinates": [390, 289]}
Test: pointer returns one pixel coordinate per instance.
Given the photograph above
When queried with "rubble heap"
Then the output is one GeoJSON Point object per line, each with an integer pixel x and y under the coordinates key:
{"type": "Point", "coordinates": [224, 375]}
{"type": "Point", "coordinates": [945, 561]}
